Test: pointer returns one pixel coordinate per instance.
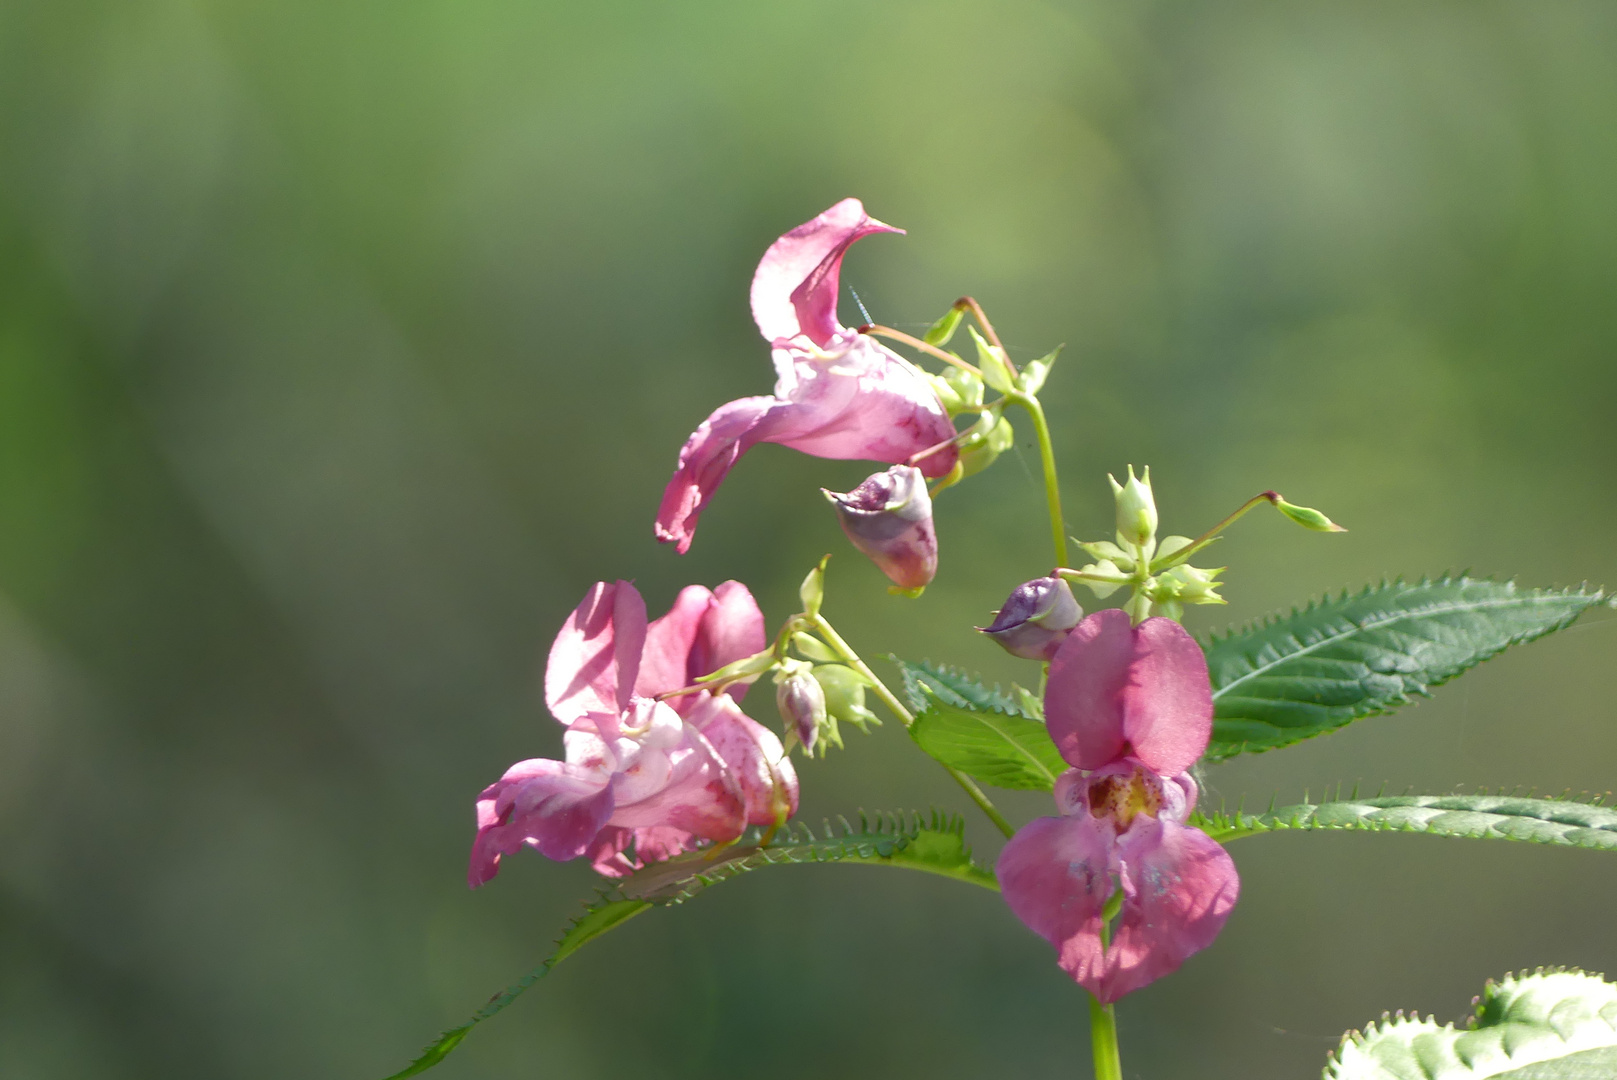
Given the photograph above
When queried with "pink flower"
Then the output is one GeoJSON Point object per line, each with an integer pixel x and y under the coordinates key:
{"type": "Point", "coordinates": [838, 394]}
{"type": "Point", "coordinates": [889, 518]}
{"type": "Point", "coordinates": [658, 776]}
{"type": "Point", "coordinates": [1131, 709]}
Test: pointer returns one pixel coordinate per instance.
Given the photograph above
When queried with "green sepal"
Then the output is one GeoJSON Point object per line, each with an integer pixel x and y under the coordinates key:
{"type": "Point", "coordinates": [941, 331]}
{"type": "Point", "coordinates": [1346, 657]}
{"type": "Point", "coordinates": [1031, 379]}
{"type": "Point", "coordinates": [1552, 1024]}
{"type": "Point", "coordinates": [1557, 822]}
{"type": "Point", "coordinates": [812, 591]}
{"type": "Point", "coordinates": [992, 363]}
{"type": "Point", "coordinates": [814, 649]}
{"type": "Point", "coordinates": [998, 748]}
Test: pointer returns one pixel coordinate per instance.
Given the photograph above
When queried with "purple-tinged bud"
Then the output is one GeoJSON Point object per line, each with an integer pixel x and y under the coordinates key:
{"type": "Point", "coordinates": [801, 701]}
{"type": "Point", "coordinates": [889, 518]}
{"type": "Point", "coordinates": [1036, 619]}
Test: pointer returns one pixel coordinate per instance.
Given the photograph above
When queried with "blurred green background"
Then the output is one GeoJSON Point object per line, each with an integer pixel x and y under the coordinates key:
{"type": "Point", "coordinates": [344, 343]}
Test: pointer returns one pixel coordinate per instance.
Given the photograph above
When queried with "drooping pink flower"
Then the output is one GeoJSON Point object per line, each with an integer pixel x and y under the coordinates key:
{"type": "Point", "coordinates": [889, 518]}
{"type": "Point", "coordinates": [838, 393]}
{"type": "Point", "coordinates": [1130, 708]}
{"type": "Point", "coordinates": [657, 776]}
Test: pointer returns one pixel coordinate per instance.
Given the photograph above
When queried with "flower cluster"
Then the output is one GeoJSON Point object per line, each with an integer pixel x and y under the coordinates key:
{"type": "Point", "coordinates": [643, 772]}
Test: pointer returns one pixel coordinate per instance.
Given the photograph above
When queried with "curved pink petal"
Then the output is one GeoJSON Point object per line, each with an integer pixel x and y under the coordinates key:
{"type": "Point", "coordinates": [1056, 876]}
{"type": "Point", "coordinates": [866, 403]}
{"type": "Point", "coordinates": [596, 657]}
{"type": "Point", "coordinates": [752, 754]}
{"type": "Point", "coordinates": [553, 806]}
{"type": "Point", "coordinates": [1181, 886]}
{"type": "Point", "coordinates": [794, 290]}
{"type": "Point", "coordinates": [732, 630]}
{"type": "Point", "coordinates": [1116, 689]}
{"type": "Point", "coordinates": [666, 663]}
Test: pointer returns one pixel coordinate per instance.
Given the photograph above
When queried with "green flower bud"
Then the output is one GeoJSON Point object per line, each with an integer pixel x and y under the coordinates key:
{"type": "Point", "coordinates": [967, 387]}
{"type": "Point", "coordinates": [947, 394]}
{"type": "Point", "coordinates": [812, 591]}
{"type": "Point", "coordinates": [942, 330]}
{"type": "Point", "coordinates": [1305, 516]}
{"type": "Point", "coordinates": [1103, 570]}
{"type": "Point", "coordinates": [813, 648]}
{"type": "Point", "coordinates": [1115, 557]}
{"type": "Point", "coordinates": [845, 695]}
{"type": "Point", "coordinates": [1136, 508]}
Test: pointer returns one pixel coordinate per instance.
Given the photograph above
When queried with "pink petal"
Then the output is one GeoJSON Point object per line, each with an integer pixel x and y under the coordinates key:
{"type": "Point", "coordinates": [665, 663]}
{"type": "Point", "coordinates": [1115, 689]}
{"type": "Point", "coordinates": [705, 460]}
{"type": "Point", "coordinates": [866, 403]}
{"type": "Point", "coordinates": [752, 754]}
{"type": "Point", "coordinates": [553, 806]}
{"type": "Point", "coordinates": [609, 853]}
{"type": "Point", "coordinates": [596, 656]}
{"type": "Point", "coordinates": [794, 290]}
{"type": "Point", "coordinates": [1181, 885]}
{"type": "Point", "coordinates": [732, 630]}
{"type": "Point", "coordinates": [1055, 874]}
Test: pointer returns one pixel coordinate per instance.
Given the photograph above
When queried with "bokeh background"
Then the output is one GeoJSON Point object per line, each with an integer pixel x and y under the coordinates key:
{"type": "Point", "coordinates": [344, 344]}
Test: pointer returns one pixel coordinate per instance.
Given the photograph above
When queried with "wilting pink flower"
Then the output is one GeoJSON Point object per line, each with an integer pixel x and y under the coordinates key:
{"type": "Point", "coordinates": [1131, 709]}
{"type": "Point", "coordinates": [838, 393]}
{"type": "Point", "coordinates": [655, 775]}
{"type": "Point", "coordinates": [1036, 618]}
{"type": "Point", "coordinates": [889, 518]}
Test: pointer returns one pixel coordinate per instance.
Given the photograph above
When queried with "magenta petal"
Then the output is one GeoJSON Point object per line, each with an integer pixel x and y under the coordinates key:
{"type": "Point", "coordinates": [596, 656]}
{"type": "Point", "coordinates": [705, 460]}
{"type": "Point", "coordinates": [866, 404]}
{"type": "Point", "coordinates": [665, 663]}
{"type": "Point", "coordinates": [753, 755]}
{"type": "Point", "coordinates": [1055, 876]}
{"type": "Point", "coordinates": [1116, 689]}
{"type": "Point", "coordinates": [794, 290]}
{"type": "Point", "coordinates": [732, 630]}
{"type": "Point", "coordinates": [1181, 885]}
{"type": "Point", "coordinates": [553, 806]}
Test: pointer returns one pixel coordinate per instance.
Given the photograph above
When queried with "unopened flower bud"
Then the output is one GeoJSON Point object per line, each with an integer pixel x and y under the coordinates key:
{"type": "Point", "coordinates": [991, 361]}
{"type": "Point", "coordinates": [1036, 619]}
{"type": "Point", "coordinates": [845, 695]}
{"type": "Point", "coordinates": [1034, 372]}
{"type": "Point", "coordinates": [1136, 508]}
{"type": "Point", "coordinates": [801, 702]}
{"type": "Point", "coordinates": [889, 518]}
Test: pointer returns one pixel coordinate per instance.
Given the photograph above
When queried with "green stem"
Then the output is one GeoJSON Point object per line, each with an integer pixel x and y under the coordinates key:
{"type": "Point", "coordinates": [888, 698]}
{"type": "Point", "coordinates": [1184, 553]}
{"type": "Point", "coordinates": [1103, 1041]}
{"type": "Point", "coordinates": [1047, 457]}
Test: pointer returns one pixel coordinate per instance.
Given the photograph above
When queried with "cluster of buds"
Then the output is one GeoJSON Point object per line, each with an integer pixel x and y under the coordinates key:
{"type": "Point", "coordinates": [1162, 581]}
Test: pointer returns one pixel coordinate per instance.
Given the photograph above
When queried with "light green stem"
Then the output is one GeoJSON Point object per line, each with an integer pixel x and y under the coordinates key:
{"type": "Point", "coordinates": [1047, 457]}
{"type": "Point", "coordinates": [1103, 1041]}
{"type": "Point", "coordinates": [834, 639]}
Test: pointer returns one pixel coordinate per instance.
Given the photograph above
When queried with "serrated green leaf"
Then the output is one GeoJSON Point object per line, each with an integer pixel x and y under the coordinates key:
{"type": "Point", "coordinates": [995, 747]}
{"type": "Point", "coordinates": [1549, 1025]}
{"type": "Point", "coordinates": [935, 844]}
{"type": "Point", "coordinates": [1348, 657]}
{"type": "Point", "coordinates": [604, 914]}
{"type": "Point", "coordinates": [953, 687]}
{"type": "Point", "coordinates": [1559, 822]}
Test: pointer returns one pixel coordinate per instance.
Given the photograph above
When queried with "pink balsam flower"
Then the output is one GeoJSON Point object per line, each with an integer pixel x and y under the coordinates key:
{"type": "Point", "coordinates": [838, 393]}
{"type": "Point", "coordinates": [657, 776]}
{"type": "Point", "coordinates": [1131, 709]}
